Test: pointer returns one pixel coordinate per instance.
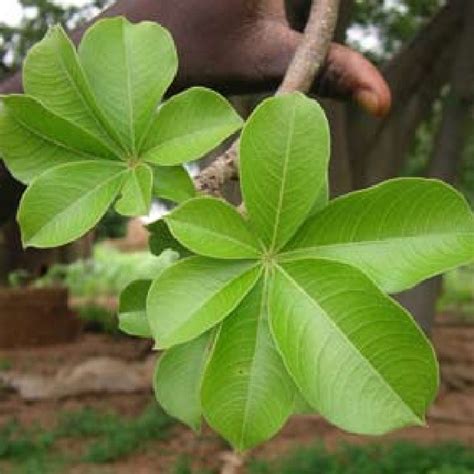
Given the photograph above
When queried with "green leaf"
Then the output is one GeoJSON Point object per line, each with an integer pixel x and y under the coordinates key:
{"type": "Point", "coordinates": [399, 232]}
{"type": "Point", "coordinates": [284, 152]}
{"type": "Point", "coordinates": [129, 67]}
{"type": "Point", "coordinates": [356, 355]}
{"type": "Point", "coordinates": [67, 201]}
{"type": "Point", "coordinates": [190, 125]}
{"type": "Point", "coordinates": [35, 139]}
{"type": "Point", "coordinates": [178, 377]}
{"type": "Point", "coordinates": [194, 295]}
{"type": "Point", "coordinates": [162, 239]}
{"type": "Point", "coordinates": [27, 153]}
{"type": "Point", "coordinates": [136, 192]}
{"type": "Point", "coordinates": [213, 228]}
{"type": "Point", "coordinates": [52, 74]}
{"type": "Point", "coordinates": [173, 183]}
{"type": "Point", "coordinates": [247, 394]}
{"type": "Point", "coordinates": [132, 309]}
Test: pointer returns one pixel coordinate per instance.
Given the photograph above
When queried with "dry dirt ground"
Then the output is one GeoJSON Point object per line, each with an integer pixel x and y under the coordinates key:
{"type": "Point", "coordinates": [451, 418]}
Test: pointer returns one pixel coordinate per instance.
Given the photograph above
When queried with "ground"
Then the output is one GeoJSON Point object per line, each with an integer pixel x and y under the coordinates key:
{"type": "Point", "coordinates": [451, 418]}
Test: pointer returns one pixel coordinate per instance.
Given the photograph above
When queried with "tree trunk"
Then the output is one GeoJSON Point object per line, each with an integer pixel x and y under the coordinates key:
{"type": "Point", "coordinates": [447, 152]}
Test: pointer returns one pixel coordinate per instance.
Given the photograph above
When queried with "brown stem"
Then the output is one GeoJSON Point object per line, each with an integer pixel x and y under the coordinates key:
{"type": "Point", "coordinates": [303, 69]}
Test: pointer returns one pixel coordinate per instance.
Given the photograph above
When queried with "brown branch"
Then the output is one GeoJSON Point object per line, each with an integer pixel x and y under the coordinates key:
{"type": "Point", "coordinates": [303, 69]}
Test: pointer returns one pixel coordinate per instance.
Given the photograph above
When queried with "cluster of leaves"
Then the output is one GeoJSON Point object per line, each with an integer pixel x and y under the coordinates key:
{"type": "Point", "coordinates": [286, 308]}
{"type": "Point", "coordinates": [89, 132]}
{"type": "Point", "coordinates": [280, 310]}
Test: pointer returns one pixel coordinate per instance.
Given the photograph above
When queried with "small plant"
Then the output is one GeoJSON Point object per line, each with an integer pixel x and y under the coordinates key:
{"type": "Point", "coordinates": [280, 309]}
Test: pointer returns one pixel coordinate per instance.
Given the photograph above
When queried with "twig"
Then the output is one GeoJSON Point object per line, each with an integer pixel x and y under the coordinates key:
{"type": "Point", "coordinates": [303, 69]}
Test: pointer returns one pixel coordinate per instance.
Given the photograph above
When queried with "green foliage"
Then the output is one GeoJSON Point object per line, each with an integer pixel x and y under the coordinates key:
{"type": "Point", "coordinates": [397, 458]}
{"type": "Point", "coordinates": [395, 22]}
{"type": "Point", "coordinates": [99, 319]}
{"type": "Point", "coordinates": [458, 292]}
{"type": "Point", "coordinates": [296, 289]}
{"type": "Point", "coordinates": [132, 309]}
{"type": "Point", "coordinates": [89, 132]}
{"type": "Point", "coordinates": [108, 437]}
{"type": "Point", "coordinates": [107, 273]}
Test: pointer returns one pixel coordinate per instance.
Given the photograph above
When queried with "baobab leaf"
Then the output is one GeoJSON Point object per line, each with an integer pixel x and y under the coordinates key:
{"type": "Point", "coordinates": [132, 309]}
{"type": "Point", "coordinates": [135, 197]}
{"type": "Point", "coordinates": [173, 183]}
{"type": "Point", "coordinates": [247, 394]}
{"type": "Point", "coordinates": [399, 232]}
{"type": "Point", "coordinates": [129, 67]}
{"type": "Point", "coordinates": [189, 125]}
{"type": "Point", "coordinates": [28, 152]}
{"type": "Point", "coordinates": [195, 294]}
{"type": "Point", "coordinates": [284, 153]}
{"type": "Point", "coordinates": [65, 202]}
{"type": "Point", "coordinates": [356, 355]}
{"type": "Point", "coordinates": [213, 228]}
{"type": "Point", "coordinates": [52, 74]}
{"type": "Point", "coordinates": [162, 239]}
{"type": "Point", "coordinates": [177, 380]}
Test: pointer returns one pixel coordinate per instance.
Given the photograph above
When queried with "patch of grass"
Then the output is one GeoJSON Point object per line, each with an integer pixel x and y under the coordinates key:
{"type": "Point", "coordinates": [398, 458]}
{"type": "Point", "coordinates": [107, 437]}
{"type": "Point", "coordinates": [5, 364]}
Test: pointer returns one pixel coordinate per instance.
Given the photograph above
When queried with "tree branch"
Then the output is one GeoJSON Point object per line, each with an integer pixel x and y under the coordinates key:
{"type": "Point", "coordinates": [300, 75]}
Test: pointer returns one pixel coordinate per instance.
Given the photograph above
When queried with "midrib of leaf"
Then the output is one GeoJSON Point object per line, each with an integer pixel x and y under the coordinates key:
{"type": "Point", "coordinates": [128, 81]}
{"type": "Point", "coordinates": [77, 203]}
{"type": "Point", "coordinates": [283, 179]}
{"type": "Point", "coordinates": [303, 252]}
{"type": "Point", "coordinates": [87, 105]}
{"type": "Point", "coordinates": [252, 365]}
{"type": "Point", "coordinates": [213, 234]}
{"type": "Point", "coordinates": [180, 138]}
{"type": "Point", "coordinates": [351, 346]}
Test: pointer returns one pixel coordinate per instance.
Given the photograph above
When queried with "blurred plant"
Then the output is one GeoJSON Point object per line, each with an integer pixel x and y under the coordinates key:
{"type": "Point", "coordinates": [107, 273]}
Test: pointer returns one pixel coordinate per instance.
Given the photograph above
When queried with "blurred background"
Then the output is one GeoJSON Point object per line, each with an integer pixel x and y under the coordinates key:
{"type": "Point", "coordinates": [75, 393]}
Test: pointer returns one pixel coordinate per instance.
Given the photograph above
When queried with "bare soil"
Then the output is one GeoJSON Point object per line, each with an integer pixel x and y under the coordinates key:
{"type": "Point", "coordinates": [451, 418]}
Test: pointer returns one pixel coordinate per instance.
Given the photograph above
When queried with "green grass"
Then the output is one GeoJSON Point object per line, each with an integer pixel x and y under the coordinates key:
{"type": "Point", "coordinates": [106, 437]}
{"type": "Point", "coordinates": [398, 458]}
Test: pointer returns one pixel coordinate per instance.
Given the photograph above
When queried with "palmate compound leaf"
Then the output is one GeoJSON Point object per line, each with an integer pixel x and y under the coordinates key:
{"type": "Point", "coordinates": [63, 203]}
{"type": "Point", "coordinates": [188, 126]}
{"type": "Point", "coordinates": [178, 377]}
{"type": "Point", "coordinates": [74, 114]}
{"type": "Point", "coordinates": [52, 74]}
{"type": "Point", "coordinates": [247, 394]}
{"type": "Point", "coordinates": [284, 153]}
{"type": "Point", "coordinates": [213, 228]}
{"type": "Point", "coordinates": [129, 67]}
{"type": "Point", "coordinates": [356, 355]}
{"type": "Point", "coordinates": [399, 232]}
{"type": "Point", "coordinates": [194, 295]}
